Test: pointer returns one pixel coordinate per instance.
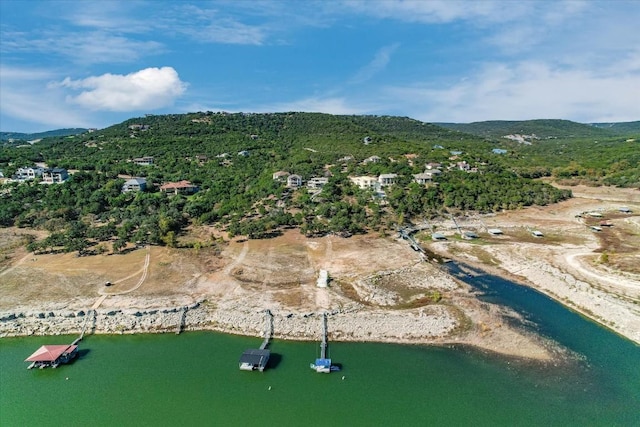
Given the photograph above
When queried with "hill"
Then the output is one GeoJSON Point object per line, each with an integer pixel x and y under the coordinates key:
{"type": "Point", "coordinates": [5, 136]}
{"type": "Point", "coordinates": [623, 128]}
{"type": "Point", "coordinates": [230, 161]}
{"type": "Point", "coordinates": [542, 129]}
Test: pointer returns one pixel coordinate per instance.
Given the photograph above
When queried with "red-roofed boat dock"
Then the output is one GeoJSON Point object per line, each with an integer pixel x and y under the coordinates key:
{"type": "Point", "coordinates": [52, 356]}
{"type": "Point", "coordinates": [56, 355]}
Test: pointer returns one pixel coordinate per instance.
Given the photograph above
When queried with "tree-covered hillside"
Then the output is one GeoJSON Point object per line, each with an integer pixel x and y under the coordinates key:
{"type": "Point", "coordinates": [232, 158]}
{"type": "Point", "coordinates": [543, 129]}
{"type": "Point", "coordinates": [6, 136]}
{"type": "Point", "coordinates": [624, 128]}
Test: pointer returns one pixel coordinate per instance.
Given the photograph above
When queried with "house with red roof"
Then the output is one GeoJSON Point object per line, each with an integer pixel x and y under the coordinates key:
{"type": "Point", "coordinates": [180, 187]}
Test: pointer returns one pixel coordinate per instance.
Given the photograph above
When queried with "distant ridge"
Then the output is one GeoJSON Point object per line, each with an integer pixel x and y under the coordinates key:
{"type": "Point", "coordinates": [544, 128]}
{"type": "Point", "coordinates": [5, 136]}
{"type": "Point", "coordinates": [623, 128]}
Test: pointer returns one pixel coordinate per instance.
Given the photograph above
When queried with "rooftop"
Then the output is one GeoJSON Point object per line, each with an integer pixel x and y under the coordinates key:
{"type": "Point", "coordinates": [50, 353]}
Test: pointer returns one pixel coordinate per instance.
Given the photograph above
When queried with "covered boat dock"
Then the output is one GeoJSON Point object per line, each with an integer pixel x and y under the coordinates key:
{"type": "Point", "coordinates": [52, 355]}
{"type": "Point", "coordinates": [254, 359]}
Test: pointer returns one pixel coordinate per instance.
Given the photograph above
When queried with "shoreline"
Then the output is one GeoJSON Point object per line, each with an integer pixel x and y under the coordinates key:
{"type": "Point", "coordinates": [564, 287]}
{"type": "Point", "coordinates": [429, 325]}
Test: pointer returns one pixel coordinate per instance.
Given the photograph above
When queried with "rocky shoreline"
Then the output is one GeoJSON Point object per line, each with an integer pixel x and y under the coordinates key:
{"type": "Point", "coordinates": [422, 324]}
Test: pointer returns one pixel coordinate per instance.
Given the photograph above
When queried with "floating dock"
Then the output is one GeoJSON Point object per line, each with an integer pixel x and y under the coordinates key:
{"type": "Point", "coordinates": [323, 364]}
{"type": "Point", "coordinates": [257, 359]}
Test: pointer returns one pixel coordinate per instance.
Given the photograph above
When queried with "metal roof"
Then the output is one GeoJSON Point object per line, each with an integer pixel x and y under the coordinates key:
{"type": "Point", "coordinates": [255, 357]}
{"type": "Point", "coordinates": [50, 353]}
{"type": "Point", "coordinates": [323, 362]}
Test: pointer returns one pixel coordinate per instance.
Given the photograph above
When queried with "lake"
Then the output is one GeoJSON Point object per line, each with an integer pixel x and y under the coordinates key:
{"type": "Point", "coordinates": [193, 378]}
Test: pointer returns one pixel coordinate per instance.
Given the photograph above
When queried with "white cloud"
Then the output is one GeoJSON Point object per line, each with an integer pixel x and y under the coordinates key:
{"type": "Point", "coordinates": [439, 11]}
{"type": "Point", "coordinates": [529, 90]}
{"type": "Point", "coordinates": [81, 47]}
{"type": "Point", "coordinates": [27, 98]}
{"type": "Point", "coordinates": [211, 26]}
{"type": "Point", "coordinates": [147, 89]}
{"type": "Point", "coordinates": [379, 63]}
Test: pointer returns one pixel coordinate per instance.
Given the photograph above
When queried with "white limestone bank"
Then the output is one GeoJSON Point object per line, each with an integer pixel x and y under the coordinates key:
{"type": "Point", "coordinates": [417, 325]}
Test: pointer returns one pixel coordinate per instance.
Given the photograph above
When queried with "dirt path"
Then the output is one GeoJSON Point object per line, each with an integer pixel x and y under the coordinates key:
{"type": "Point", "coordinates": [599, 276]}
{"type": "Point", "coordinates": [17, 264]}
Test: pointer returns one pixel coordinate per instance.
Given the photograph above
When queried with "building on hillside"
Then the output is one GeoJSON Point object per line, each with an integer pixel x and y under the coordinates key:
{"type": "Point", "coordinates": [280, 176]}
{"type": "Point", "coordinates": [372, 159]}
{"type": "Point", "coordinates": [423, 178]}
{"type": "Point", "coordinates": [345, 159]}
{"type": "Point", "coordinates": [27, 173]}
{"type": "Point", "coordinates": [317, 182]}
{"type": "Point", "coordinates": [365, 182]}
{"type": "Point", "coordinates": [499, 151]}
{"type": "Point", "coordinates": [294, 181]}
{"type": "Point", "coordinates": [387, 179]}
{"type": "Point", "coordinates": [180, 187]}
{"type": "Point", "coordinates": [138, 126]}
{"type": "Point", "coordinates": [143, 161]}
{"type": "Point", "coordinates": [243, 153]}
{"type": "Point", "coordinates": [433, 165]}
{"type": "Point", "coordinates": [134, 184]}
{"type": "Point", "coordinates": [54, 175]}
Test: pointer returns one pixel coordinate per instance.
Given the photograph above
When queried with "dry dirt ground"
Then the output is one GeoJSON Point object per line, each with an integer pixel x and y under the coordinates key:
{"type": "Point", "coordinates": [379, 289]}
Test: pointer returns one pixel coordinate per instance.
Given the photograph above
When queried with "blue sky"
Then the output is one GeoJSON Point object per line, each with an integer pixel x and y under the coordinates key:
{"type": "Point", "coordinates": [96, 63]}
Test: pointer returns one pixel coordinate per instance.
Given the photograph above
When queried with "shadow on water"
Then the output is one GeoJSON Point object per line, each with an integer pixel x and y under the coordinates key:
{"type": "Point", "coordinates": [274, 360]}
{"type": "Point", "coordinates": [82, 354]}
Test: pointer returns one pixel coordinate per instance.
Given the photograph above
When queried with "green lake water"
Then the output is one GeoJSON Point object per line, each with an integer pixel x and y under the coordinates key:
{"type": "Point", "coordinates": [193, 379]}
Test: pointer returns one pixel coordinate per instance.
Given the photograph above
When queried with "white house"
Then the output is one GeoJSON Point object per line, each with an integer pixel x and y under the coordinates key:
{"type": "Point", "coordinates": [365, 182]}
{"type": "Point", "coordinates": [25, 174]}
{"type": "Point", "coordinates": [134, 184]}
{"type": "Point", "coordinates": [387, 179]}
{"type": "Point", "coordinates": [143, 161]}
{"type": "Point", "coordinates": [372, 159]}
{"type": "Point", "coordinates": [317, 182]}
